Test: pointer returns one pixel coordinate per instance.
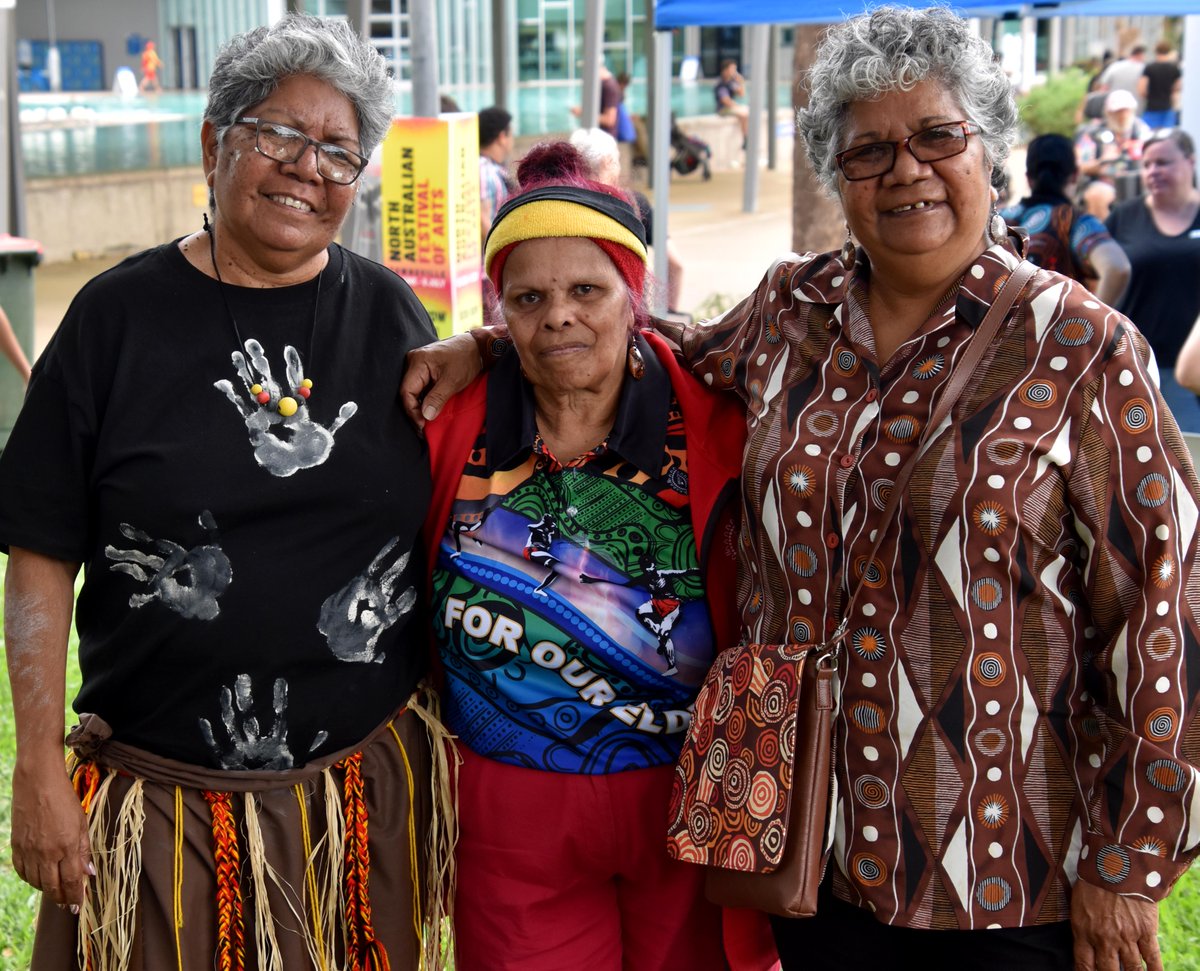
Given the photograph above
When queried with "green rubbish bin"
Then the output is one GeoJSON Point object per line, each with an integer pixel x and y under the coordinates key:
{"type": "Point", "coordinates": [18, 257]}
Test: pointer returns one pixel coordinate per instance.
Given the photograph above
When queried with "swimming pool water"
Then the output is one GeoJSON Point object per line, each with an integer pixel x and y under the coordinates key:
{"type": "Point", "coordinates": [90, 133]}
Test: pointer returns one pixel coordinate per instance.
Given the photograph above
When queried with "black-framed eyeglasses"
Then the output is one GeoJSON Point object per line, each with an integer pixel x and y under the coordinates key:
{"type": "Point", "coordinates": [284, 144]}
{"type": "Point", "coordinates": [928, 145]}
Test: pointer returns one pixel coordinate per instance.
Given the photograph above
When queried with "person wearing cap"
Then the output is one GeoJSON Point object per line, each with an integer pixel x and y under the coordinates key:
{"type": "Point", "coordinates": [581, 541]}
{"type": "Point", "coordinates": [1109, 154]}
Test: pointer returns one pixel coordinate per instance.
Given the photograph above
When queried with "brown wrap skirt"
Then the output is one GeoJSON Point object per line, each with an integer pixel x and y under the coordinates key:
{"type": "Point", "coordinates": [341, 864]}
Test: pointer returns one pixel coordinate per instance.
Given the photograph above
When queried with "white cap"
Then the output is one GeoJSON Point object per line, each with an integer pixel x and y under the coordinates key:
{"type": "Point", "coordinates": [1119, 99]}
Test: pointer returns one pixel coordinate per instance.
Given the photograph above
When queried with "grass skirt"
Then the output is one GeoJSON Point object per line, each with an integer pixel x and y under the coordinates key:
{"type": "Point", "coordinates": [343, 864]}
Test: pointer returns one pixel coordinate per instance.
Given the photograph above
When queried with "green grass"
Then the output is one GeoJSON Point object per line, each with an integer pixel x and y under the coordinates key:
{"type": "Point", "coordinates": [1179, 928]}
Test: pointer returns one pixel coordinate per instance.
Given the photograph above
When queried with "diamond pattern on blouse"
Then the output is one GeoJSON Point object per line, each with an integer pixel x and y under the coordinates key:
{"type": "Point", "coordinates": [1019, 694]}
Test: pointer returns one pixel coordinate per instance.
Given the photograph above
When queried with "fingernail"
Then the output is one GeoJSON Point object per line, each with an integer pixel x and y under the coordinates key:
{"type": "Point", "coordinates": [75, 909]}
{"type": "Point", "coordinates": [91, 870]}
{"type": "Point", "coordinates": [429, 413]}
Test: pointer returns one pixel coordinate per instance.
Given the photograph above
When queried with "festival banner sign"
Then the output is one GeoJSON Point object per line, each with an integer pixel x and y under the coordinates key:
{"type": "Point", "coordinates": [431, 221]}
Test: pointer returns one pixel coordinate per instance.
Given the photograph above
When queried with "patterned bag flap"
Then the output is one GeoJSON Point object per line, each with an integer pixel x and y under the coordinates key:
{"type": "Point", "coordinates": [732, 790]}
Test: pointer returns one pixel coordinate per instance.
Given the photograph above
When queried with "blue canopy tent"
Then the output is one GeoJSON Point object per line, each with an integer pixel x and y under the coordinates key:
{"type": "Point", "coordinates": [757, 14]}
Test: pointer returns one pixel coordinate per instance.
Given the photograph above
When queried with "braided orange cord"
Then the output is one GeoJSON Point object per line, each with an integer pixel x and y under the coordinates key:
{"type": "Point", "coordinates": [363, 951]}
{"type": "Point", "coordinates": [86, 781]}
{"type": "Point", "coordinates": [231, 934]}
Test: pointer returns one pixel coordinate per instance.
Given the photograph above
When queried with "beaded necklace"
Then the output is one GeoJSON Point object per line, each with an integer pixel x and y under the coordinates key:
{"type": "Point", "coordinates": [285, 405]}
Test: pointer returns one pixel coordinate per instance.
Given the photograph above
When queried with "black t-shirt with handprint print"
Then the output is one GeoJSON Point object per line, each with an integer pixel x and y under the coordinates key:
{"type": "Point", "coordinates": [251, 578]}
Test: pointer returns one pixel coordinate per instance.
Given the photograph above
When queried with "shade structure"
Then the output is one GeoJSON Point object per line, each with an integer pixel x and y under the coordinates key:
{"type": "Point", "coordinates": [669, 14]}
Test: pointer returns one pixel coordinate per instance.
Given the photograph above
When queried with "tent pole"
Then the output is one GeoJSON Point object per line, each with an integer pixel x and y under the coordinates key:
{"type": "Point", "coordinates": [593, 57]}
{"type": "Point", "coordinates": [758, 90]}
{"type": "Point", "coordinates": [660, 138]}
{"type": "Point", "coordinates": [1190, 120]}
{"type": "Point", "coordinates": [772, 96]}
{"type": "Point", "coordinates": [422, 22]}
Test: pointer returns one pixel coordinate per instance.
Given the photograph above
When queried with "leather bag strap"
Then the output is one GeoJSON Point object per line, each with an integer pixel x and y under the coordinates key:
{"type": "Point", "coordinates": [960, 376]}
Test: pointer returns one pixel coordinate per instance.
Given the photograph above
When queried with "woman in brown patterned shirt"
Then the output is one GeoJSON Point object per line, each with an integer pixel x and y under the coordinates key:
{"type": "Point", "coordinates": [1016, 731]}
{"type": "Point", "coordinates": [1016, 735]}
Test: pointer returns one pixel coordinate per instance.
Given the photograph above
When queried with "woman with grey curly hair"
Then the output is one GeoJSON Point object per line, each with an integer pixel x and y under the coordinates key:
{"type": "Point", "coordinates": [997, 735]}
{"type": "Point", "coordinates": [1017, 723]}
{"type": "Point", "coordinates": [214, 434]}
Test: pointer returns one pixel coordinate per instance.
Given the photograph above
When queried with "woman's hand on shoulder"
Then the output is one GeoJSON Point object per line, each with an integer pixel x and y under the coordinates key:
{"type": "Point", "coordinates": [50, 846]}
{"type": "Point", "coordinates": [433, 374]}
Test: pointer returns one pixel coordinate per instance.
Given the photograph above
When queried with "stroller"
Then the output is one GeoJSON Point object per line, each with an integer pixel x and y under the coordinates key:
{"type": "Point", "coordinates": [689, 154]}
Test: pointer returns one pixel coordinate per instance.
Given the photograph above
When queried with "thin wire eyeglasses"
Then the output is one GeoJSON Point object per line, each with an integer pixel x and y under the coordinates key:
{"type": "Point", "coordinates": [928, 145]}
{"type": "Point", "coordinates": [283, 144]}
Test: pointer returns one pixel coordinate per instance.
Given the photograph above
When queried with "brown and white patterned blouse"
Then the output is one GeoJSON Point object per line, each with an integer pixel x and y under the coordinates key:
{"type": "Point", "coordinates": [1018, 700]}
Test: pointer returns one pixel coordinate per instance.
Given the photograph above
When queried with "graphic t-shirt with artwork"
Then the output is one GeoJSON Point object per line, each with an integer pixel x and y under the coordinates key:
{"type": "Point", "coordinates": [568, 600]}
{"type": "Point", "coordinates": [251, 576]}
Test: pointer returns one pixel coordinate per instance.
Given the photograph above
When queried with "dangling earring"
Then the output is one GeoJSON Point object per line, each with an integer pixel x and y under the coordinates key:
{"type": "Point", "coordinates": [848, 251]}
{"type": "Point", "coordinates": [997, 227]}
{"type": "Point", "coordinates": [634, 363]}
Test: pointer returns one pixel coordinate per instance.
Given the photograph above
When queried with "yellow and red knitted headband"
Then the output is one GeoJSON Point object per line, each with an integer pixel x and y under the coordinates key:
{"type": "Point", "coordinates": [560, 210]}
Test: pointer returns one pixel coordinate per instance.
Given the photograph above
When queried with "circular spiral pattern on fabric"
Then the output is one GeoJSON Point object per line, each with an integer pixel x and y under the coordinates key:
{"type": "Point", "coordinates": [1161, 724]}
{"type": "Point", "coordinates": [701, 824]}
{"type": "Point", "coordinates": [868, 869]}
{"type": "Point", "coordinates": [802, 630]}
{"type": "Point", "coordinates": [736, 783]}
{"type": "Point", "coordinates": [740, 854]}
{"type": "Point", "coordinates": [774, 703]}
{"type": "Point", "coordinates": [1038, 394]}
{"type": "Point", "coordinates": [872, 791]}
{"type": "Point", "coordinates": [1137, 415]}
{"type": "Point", "coordinates": [716, 759]}
{"type": "Point", "coordinates": [763, 793]}
{"type": "Point", "coordinates": [773, 841]}
{"type": "Point", "coordinates": [989, 669]}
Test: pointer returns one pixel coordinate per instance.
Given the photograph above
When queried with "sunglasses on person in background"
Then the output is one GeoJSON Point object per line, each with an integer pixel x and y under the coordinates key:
{"type": "Point", "coordinates": [284, 144]}
{"type": "Point", "coordinates": [928, 145]}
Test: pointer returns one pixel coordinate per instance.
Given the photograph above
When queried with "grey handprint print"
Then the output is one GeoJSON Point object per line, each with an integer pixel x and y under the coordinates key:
{"type": "Point", "coordinates": [245, 743]}
{"type": "Point", "coordinates": [285, 439]}
{"type": "Point", "coordinates": [188, 581]}
{"type": "Point", "coordinates": [353, 619]}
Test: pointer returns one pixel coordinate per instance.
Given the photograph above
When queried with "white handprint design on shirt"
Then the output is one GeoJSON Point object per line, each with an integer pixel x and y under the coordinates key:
{"type": "Point", "coordinates": [188, 581]}
{"type": "Point", "coordinates": [354, 618]}
{"type": "Point", "coordinates": [282, 445]}
{"type": "Point", "coordinates": [246, 745]}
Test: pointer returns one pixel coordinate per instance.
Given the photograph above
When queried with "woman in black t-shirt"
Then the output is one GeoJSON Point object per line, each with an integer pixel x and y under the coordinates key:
{"type": "Point", "coordinates": [214, 435]}
{"type": "Point", "coordinates": [1160, 233]}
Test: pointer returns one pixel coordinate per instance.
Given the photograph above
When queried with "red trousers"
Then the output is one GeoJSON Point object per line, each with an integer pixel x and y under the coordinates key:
{"type": "Point", "coordinates": [560, 872]}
